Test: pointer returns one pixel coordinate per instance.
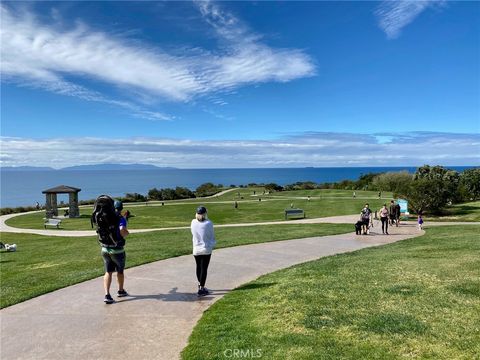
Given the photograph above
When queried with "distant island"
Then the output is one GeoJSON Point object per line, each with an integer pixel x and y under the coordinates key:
{"type": "Point", "coordinates": [25, 168]}
{"type": "Point", "coordinates": [88, 167]}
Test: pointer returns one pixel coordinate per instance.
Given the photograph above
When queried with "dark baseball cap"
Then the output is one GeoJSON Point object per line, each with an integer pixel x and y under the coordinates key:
{"type": "Point", "coordinates": [118, 205]}
{"type": "Point", "coordinates": [201, 210]}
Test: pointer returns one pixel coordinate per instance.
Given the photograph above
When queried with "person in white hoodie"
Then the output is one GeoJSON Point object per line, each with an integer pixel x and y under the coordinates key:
{"type": "Point", "coordinates": [203, 238]}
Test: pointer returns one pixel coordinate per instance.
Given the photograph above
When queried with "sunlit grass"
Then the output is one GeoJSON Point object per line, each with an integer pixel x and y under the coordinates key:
{"type": "Point", "coordinates": [419, 298]}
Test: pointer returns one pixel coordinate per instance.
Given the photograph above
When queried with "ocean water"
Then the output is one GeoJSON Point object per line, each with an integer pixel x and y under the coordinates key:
{"type": "Point", "coordinates": [24, 188]}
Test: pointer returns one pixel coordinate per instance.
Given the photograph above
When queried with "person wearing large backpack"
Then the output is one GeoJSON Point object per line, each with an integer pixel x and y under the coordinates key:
{"type": "Point", "coordinates": [365, 218]}
{"type": "Point", "coordinates": [111, 229]}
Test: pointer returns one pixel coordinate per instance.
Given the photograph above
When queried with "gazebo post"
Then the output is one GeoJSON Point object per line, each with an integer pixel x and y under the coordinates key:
{"type": "Point", "coordinates": [54, 204]}
{"type": "Point", "coordinates": [73, 210]}
{"type": "Point", "coordinates": [48, 206]}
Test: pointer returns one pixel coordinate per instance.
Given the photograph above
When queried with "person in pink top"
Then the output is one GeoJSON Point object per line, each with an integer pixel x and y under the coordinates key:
{"type": "Point", "coordinates": [384, 218]}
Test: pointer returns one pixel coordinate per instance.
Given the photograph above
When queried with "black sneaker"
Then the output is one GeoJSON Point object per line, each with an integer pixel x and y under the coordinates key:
{"type": "Point", "coordinates": [108, 299]}
{"type": "Point", "coordinates": [202, 292]}
{"type": "Point", "coordinates": [122, 293]}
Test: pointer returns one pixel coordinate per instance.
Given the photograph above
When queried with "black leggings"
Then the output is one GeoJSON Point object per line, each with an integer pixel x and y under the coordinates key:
{"type": "Point", "coordinates": [202, 267]}
{"type": "Point", "coordinates": [384, 224]}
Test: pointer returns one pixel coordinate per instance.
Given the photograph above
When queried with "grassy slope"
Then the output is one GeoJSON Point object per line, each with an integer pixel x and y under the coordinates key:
{"type": "Point", "coordinates": [175, 214]}
{"type": "Point", "coordinates": [43, 264]}
{"type": "Point", "coordinates": [416, 298]}
{"type": "Point", "coordinates": [459, 212]}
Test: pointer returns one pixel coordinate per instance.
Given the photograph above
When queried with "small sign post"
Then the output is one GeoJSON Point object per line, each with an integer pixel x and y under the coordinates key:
{"type": "Point", "coordinates": [403, 206]}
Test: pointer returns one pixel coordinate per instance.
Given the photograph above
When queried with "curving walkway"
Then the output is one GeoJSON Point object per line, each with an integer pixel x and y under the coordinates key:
{"type": "Point", "coordinates": [76, 233]}
{"type": "Point", "coordinates": [343, 219]}
{"type": "Point", "coordinates": [156, 320]}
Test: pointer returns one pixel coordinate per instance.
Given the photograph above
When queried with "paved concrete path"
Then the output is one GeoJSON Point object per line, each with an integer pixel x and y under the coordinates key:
{"type": "Point", "coordinates": [154, 322]}
{"type": "Point", "coordinates": [344, 219]}
{"type": "Point", "coordinates": [347, 219]}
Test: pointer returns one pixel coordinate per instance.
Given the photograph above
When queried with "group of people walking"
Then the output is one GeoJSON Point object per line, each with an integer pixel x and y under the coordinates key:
{"type": "Point", "coordinates": [390, 215]}
{"type": "Point", "coordinates": [203, 242]}
{"type": "Point", "coordinates": [203, 239]}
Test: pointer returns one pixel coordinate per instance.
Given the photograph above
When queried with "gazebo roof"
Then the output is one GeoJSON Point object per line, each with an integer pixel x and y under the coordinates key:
{"type": "Point", "coordinates": [61, 189]}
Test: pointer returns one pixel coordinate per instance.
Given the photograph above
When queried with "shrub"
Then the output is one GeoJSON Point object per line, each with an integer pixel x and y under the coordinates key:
{"type": "Point", "coordinates": [395, 182]}
{"type": "Point", "coordinates": [470, 182]}
{"type": "Point", "coordinates": [207, 189]}
{"type": "Point", "coordinates": [273, 187]}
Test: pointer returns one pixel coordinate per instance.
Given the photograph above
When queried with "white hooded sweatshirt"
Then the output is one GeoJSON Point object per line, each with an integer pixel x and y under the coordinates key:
{"type": "Point", "coordinates": [203, 237]}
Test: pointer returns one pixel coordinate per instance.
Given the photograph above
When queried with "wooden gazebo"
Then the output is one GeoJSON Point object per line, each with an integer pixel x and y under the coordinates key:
{"type": "Point", "coordinates": [51, 207]}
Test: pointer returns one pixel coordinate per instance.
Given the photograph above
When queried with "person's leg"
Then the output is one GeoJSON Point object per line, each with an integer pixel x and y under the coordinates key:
{"type": "Point", "coordinates": [121, 281]}
{"type": "Point", "coordinates": [119, 260]}
{"type": "Point", "coordinates": [386, 226]}
{"type": "Point", "coordinates": [364, 227]}
{"type": "Point", "coordinates": [204, 270]}
{"type": "Point", "coordinates": [109, 268]}
{"type": "Point", "coordinates": [198, 261]}
{"type": "Point", "coordinates": [383, 225]}
{"type": "Point", "coordinates": [107, 281]}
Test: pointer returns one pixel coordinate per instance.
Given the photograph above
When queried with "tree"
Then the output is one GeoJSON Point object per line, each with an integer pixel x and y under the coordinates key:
{"type": "Point", "coordinates": [167, 194]}
{"type": "Point", "coordinates": [426, 195]}
{"type": "Point", "coordinates": [449, 178]}
{"type": "Point", "coordinates": [183, 193]}
{"type": "Point", "coordinates": [470, 181]}
{"type": "Point", "coordinates": [432, 189]}
{"type": "Point", "coordinates": [273, 187]}
{"type": "Point", "coordinates": [133, 197]}
{"type": "Point", "coordinates": [395, 182]}
{"type": "Point", "coordinates": [365, 180]}
{"type": "Point", "coordinates": [154, 194]}
{"type": "Point", "coordinates": [207, 189]}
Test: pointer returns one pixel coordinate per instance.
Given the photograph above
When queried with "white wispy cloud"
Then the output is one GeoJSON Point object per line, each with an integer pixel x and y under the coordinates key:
{"type": "Point", "coordinates": [305, 149]}
{"type": "Point", "coordinates": [50, 55]}
{"type": "Point", "coordinates": [393, 16]}
{"type": "Point", "coordinates": [247, 59]}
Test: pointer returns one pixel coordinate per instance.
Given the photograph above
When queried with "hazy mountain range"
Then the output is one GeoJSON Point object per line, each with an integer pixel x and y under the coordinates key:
{"type": "Point", "coordinates": [88, 167]}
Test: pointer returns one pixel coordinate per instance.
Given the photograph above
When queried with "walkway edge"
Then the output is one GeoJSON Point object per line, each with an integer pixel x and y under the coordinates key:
{"type": "Point", "coordinates": [162, 310]}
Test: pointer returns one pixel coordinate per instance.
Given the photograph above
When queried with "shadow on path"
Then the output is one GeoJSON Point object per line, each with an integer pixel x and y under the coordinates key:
{"type": "Point", "coordinates": [173, 295]}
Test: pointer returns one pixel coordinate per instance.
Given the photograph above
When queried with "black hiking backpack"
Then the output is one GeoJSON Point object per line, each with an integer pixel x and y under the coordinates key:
{"type": "Point", "coordinates": [107, 222]}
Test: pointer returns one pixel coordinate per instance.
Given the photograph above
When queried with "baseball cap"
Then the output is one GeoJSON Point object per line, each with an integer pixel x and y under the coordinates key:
{"type": "Point", "coordinates": [118, 205]}
{"type": "Point", "coordinates": [201, 210]}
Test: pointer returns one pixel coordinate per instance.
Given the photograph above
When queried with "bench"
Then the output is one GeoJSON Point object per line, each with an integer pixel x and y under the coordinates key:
{"type": "Point", "coordinates": [294, 212]}
{"type": "Point", "coordinates": [52, 222]}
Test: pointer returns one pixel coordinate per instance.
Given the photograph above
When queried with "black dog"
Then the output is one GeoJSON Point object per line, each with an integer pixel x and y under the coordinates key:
{"type": "Point", "coordinates": [358, 227]}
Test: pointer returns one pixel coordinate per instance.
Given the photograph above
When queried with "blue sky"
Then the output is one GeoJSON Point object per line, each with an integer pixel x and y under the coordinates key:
{"type": "Point", "coordinates": [240, 84]}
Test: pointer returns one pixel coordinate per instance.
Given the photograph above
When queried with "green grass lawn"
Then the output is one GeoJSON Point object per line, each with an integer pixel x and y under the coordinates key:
{"type": "Point", "coordinates": [221, 211]}
{"type": "Point", "coordinates": [459, 212]}
{"type": "Point", "coordinates": [43, 264]}
{"type": "Point", "coordinates": [419, 298]}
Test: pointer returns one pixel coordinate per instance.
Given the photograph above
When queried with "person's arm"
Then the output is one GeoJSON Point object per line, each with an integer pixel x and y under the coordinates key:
{"type": "Point", "coordinates": [124, 231]}
{"type": "Point", "coordinates": [212, 235]}
{"type": "Point", "coordinates": [123, 228]}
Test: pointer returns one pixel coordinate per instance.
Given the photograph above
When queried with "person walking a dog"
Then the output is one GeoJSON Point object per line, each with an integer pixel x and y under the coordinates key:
{"type": "Point", "coordinates": [203, 238]}
{"type": "Point", "coordinates": [365, 217]}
